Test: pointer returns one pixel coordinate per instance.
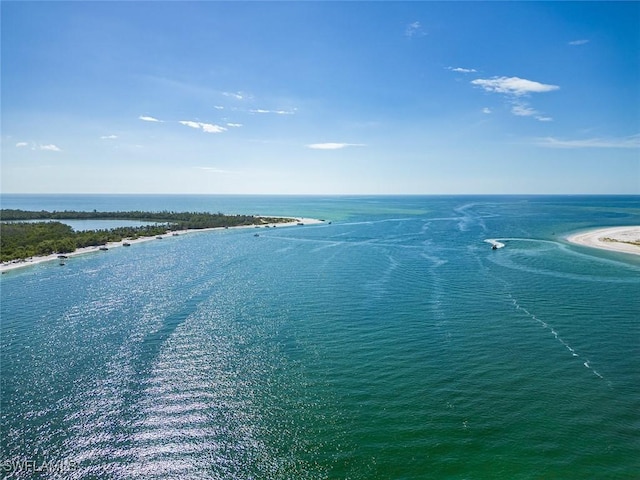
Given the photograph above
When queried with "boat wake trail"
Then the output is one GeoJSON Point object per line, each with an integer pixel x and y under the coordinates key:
{"type": "Point", "coordinates": [467, 217]}
{"type": "Point", "coordinates": [494, 243]}
{"type": "Point", "coordinates": [520, 308]}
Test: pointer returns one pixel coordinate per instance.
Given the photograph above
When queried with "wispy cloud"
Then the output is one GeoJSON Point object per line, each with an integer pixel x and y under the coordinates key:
{"type": "Point", "coordinates": [234, 125]}
{"type": "Point", "coordinates": [578, 42]}
{"type": "Point", "coordinates": [219, 170]}
{"type": "Point", "coordinates": [486, 110]}
{"type": "Point", "coordinates": [522, 109]}
{"type": "Point", "coordinates": [205, 127]}
{"type": "Point", "coordinates": [414, 30]}
{"type": "Point", "coordinates": [513, 85]}
{"type": "Point", "coordinates": [109, 137]}
{"type": "Point", "coordinates": [462, 70]}
{"type": "Point", "coordinates": [36, 146]}
{"type": "Point", "coordinates": [218, 107]}
{"type": "Point", "coordinates": [632, 141]}
{"type": "Point", "coordinates": [333, 146]}
{"type": "Point", "coordinates": [50, 148]}
{"type": "Point", "coordinates": [237, 95]}
{"type": "Point", "coordinates": [515, 89]}
{"type": "Point", "coordinates": [277, 112]}
{"type": "Point", "coordinates": [146, 118]}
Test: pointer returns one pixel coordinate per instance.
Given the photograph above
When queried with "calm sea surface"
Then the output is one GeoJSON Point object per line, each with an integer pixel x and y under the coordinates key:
{"type": "Point", "coordinates": [392, 343]}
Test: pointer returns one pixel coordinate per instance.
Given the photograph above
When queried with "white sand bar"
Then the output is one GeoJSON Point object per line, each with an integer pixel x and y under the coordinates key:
{"type": "Point", "coordinates": [618, 239]}
{"type": "Point", "coordinates": [81, 251]}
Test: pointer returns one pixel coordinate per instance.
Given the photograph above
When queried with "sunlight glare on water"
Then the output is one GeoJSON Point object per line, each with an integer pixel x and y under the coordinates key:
{"type": "Point", "coordinates": [391, 343]}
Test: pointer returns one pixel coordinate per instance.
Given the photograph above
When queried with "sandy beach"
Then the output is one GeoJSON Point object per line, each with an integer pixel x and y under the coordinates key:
{"type": "Point", "coordinates": [15, 264]}
{"type": "Point", "coordinates": [613, 238]}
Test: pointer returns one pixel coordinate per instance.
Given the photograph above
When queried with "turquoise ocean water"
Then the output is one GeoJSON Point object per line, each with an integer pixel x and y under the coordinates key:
{"type": "Point", "coordinates": [393, 343]}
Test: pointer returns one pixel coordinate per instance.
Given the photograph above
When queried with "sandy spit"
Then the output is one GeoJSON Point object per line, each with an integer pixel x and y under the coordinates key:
{"type": "Point", "coordinates": [613, 238]}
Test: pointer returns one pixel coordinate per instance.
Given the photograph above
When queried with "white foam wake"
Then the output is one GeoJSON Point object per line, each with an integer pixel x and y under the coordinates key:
{"type": "Point", "coordinates": [553, 332]}
{"type": "Point", "coordinates": [494, 242]}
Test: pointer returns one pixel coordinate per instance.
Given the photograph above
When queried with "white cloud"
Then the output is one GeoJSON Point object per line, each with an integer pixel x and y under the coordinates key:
{"type": "Point", "coordinates": [218, 107]}
{"type": "Point", "coordinates": [579, 42]}
{"type": "Point", "coordinates": [234, 125]}
{"type": "Point", "coordinates": [218, 170]}
{"type": "Point", "coordinates": [22, 144]}
{"type": "Point", "coordinates": [333, 146]}
{"type": "Point", "coordinates": [210, 128]}
{"type": "Point", "coordinates": [414, 29]}
{"type": "Point", "coordinates": [236, 95]}
{"type": "Point", "coordinates": [51, 148]}
{"type": "Point", "coordinates": [462, 70]}
{"type": "Point", "coordinates": [206, 127]}
{"type": "Point", "coordinates": [278, 112]}
{"type": "Point", "coordinates": [513, 86]}
{"type": "Point", "coordinates": [632, 141]}
{"type": "Point", "coordinates": [148, 119]}
{"type": "Point", "coordinates": [523, 110]}
{"type": "Point", "coordinates": [109, 137]}
{"type": "Point", "coordinates": [486, 110]}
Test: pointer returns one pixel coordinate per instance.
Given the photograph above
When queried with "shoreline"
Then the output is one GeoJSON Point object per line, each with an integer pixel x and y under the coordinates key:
{"type": "Point", "coordinates": [619, 236]}
{"type": "Point", "coordinates": [17, 264]}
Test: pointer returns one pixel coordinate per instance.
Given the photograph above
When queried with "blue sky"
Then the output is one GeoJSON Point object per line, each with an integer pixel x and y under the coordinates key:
{"type": "Point", "coordinates": [320, 97]}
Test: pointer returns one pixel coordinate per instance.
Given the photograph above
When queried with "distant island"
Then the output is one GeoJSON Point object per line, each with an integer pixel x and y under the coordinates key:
{"type": "Point", "coordinates": [25, 234]}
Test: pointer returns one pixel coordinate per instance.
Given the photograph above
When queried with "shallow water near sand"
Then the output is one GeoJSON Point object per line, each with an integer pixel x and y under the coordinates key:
{"type": "Point", "coordinates": [392, 342]}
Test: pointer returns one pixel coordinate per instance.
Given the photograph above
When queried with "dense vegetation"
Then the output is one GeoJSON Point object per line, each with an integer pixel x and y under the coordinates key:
{"type": "Point", "coordinates": [20, 240]}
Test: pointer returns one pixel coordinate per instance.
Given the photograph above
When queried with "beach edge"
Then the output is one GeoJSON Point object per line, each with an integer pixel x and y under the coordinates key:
{"type": "Point", "coordinates": [618, 238]}
{"type": "Point", "coordinates": [15, 265]}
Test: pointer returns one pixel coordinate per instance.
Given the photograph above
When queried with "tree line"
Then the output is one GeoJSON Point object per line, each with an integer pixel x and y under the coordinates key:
{"type": "Point", "coordinates": [19, 240]}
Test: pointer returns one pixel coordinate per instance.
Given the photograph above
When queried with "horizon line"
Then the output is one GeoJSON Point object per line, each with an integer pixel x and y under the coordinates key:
{"type": "Point", "coordinates": [325, 194]}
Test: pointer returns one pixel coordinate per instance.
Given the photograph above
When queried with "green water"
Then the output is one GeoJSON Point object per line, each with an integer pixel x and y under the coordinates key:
{"type": "Point", "coordinates": [392, 343]}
